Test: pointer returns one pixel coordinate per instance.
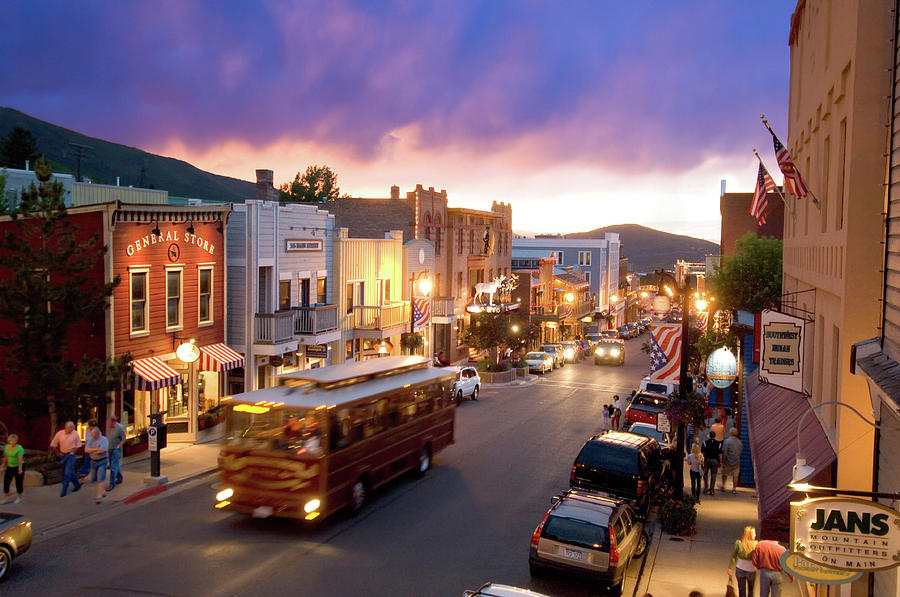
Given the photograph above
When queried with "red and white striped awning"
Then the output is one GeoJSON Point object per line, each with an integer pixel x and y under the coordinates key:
{"type": "Point", "coordinates": [152, 374]}
{"type": "Point", "coordinates": [218, 357]}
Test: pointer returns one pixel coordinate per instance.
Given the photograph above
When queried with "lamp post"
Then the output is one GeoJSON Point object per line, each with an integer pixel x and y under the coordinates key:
{"type": "Point", "coordinates": [682, 375]}
{"type": "Point", "coordinates": [425, 289]}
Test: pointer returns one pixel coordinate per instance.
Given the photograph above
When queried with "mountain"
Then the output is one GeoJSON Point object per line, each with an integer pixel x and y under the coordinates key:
{"type": "Point", "coordinates": [104, 161]}
{"type": "Point", "coordinates": [648, 249]}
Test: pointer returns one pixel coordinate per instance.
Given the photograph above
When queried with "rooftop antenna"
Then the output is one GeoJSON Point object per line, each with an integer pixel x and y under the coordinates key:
{"type": "Point", "coordinates": [80, 151]}
{"type": "Point", "coordinates": [141, 184]}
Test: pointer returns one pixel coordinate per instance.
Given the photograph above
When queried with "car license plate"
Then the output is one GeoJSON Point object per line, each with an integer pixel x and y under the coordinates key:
{"type": "Point", "coordinates": [574, 555]}
{"type": "Point", "coordinates": [263, 512]}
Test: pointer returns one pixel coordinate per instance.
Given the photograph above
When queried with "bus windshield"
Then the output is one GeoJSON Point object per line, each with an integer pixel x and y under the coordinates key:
{"type": "Point", "coordinates": [259, 427]}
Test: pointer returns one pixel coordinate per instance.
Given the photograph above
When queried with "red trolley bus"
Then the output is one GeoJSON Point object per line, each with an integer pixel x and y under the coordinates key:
{"type": "Point", "coordinates": [325, 438]}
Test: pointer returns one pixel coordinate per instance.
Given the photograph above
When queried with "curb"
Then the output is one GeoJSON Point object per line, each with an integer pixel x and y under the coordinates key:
{"type": "Point", "coordinates": [145, 493]}
{"type": "Point", "coordinates": [640, 588]}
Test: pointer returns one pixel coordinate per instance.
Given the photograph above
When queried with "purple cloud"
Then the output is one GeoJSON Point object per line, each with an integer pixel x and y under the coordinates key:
{"type": "Point", "coordinates": [628, 85]}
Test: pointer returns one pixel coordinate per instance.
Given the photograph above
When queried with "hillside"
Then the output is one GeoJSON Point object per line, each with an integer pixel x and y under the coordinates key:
{"type": "Point", "coordinates": [648, 249]}
{"type": "Point", "coordinates": [105, 161]}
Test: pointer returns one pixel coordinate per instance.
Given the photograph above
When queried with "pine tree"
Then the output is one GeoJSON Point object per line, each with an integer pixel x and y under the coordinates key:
{"type": "Point", "coordinates": [19, 146]}
{"type": "Point", "coordinates": [48, 289]}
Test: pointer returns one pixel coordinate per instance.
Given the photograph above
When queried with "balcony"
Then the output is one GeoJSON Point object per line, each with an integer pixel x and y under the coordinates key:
{"type": "Point", "coordinates": [315, 320]}
{"type": "Point", "coordinates": [442, 307]}
{"type": "Point", "coordinates": [274, 328]}
{"type": "Point", "coordinates": [375, 322]}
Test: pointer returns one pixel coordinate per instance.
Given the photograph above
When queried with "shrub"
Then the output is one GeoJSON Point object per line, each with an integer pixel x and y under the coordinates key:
{"type": "Point", "coordinates": [678, 517]}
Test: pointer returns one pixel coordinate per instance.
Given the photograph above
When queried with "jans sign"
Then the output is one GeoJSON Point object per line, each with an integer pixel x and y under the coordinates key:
{"type": "Point", "coordinates": [781, 361]}
{"type": "Point", "coordinates": [303, 245]}
{"type": "Point", "coordinates": [797, 565]}
{"type": "Point", "coordinates": [846, 533]}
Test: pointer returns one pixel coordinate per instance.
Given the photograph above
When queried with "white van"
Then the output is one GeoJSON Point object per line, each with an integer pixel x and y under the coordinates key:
{"type": "Point", "coordinates": [658, 387]}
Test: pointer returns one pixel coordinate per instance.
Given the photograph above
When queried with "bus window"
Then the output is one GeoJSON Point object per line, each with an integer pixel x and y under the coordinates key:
{"type": "Point", "coordinates": [405, 405]}
{"type": "Point", "coordinates": [341, 428]}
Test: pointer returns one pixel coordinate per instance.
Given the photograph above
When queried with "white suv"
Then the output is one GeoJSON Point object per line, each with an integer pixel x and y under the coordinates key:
{"type": "Point", "coordinates": [468, 384]}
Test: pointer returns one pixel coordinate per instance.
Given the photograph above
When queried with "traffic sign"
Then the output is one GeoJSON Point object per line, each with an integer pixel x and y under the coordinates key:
{"type": "Point", "coordinates": [152, 438]}
{"type": "Point", "coordinates": [662, 423]}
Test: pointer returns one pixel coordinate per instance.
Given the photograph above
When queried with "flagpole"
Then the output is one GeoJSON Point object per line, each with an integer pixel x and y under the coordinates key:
{"type": "Point", "coordinates": [766, 124]}
{"type": "Point", "coordinates": [780, 194]}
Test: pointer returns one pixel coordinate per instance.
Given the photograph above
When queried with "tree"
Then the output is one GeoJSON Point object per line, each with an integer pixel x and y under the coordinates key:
{"type": "Point", "coordinates": [490, 331]}
{"type": "Point", "coordinates": [318, 183]}
{"type": "Point", "coordinates": [19, 146]}
{"type": "Point", "coordinates": [48, 289]}
{"type": "Point", "coordinates": [751, 279]}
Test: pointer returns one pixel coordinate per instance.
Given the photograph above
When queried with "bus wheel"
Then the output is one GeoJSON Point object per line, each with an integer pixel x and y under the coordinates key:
{"type": "Point", "coordinates": [360, 495]}
{"type": "Point", "coordinates": [424, 462]}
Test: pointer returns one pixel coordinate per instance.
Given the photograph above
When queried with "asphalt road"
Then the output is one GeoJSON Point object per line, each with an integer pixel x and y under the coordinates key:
{"type": "Point", "coordinates": [468, 521]}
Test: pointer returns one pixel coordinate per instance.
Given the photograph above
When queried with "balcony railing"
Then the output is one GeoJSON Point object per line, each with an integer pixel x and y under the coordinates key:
{"type": "Point", "coordinates": [315, 320]}
{"type": "Point", "coordinates": [274, 328]}
{"type": "Point", "coordinates": [381, 317]}
{"type": "Point", "coordinates": [442, 306]}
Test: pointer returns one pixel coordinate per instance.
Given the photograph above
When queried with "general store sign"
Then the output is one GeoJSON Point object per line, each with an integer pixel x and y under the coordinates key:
{"type": "Point", "coordinates": [846, 533]}
{"type": "Point", "coordinates": [781, 361]}
{"type": "Point", "coordinates": [169, 239]}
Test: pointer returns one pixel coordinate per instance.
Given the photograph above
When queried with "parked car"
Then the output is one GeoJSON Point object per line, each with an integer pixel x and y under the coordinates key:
{"type": "Point", "coordinates": [658, 387]}
{"type": "Point", "coordinates": [634, 329]}
{"type": "Point", "coordinates": [593, 338]}
{"type": "Point", "coordinates": [468, 384]}
{"type": "Point", "coordinates": [609, 351]}
{"type": "Point", "coordinates": [490, 589]}
{"type": "Point", "coordinates": [644, 407]}
{"type": "Point", "coordinates": [556, 351]}
{"type": "Point", "coordinates": [620, 464]}
{"type": "Point", "coordinates": [589, 535]}
{"type": "Point", "coordinates": [665, 439]}
{"type": "Point", "coordinates": [15, 539]}
{"type": "Point", "coordinates": [539, 362]}
{"type": "Point", "coordinates": [623, 332]}
{"type": "Point", "coordinates": [609, 335]}
{"type": "Point", "coordinates": [572, 351]}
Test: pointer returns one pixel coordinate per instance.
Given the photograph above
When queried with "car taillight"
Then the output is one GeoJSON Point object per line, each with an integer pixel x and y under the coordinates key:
{"type": "Point", "coordinates": [613, 550]}
{"type": "Point", "coordinates": [572, 474]}
{"type": "Point", "coordinates": [536, 536]}
{"type": "Point", "coordinates": [640, 487]}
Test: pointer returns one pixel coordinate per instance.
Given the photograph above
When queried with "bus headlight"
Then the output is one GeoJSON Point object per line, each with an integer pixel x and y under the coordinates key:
{"type": "Point", "coordinates": [599, 352]}
{"type": "Point", "coordinates": [312, 505]}
{"type": "Point", "coordinates": [614, 352]}
{"type": "Point", "coordinates": [224, 494]}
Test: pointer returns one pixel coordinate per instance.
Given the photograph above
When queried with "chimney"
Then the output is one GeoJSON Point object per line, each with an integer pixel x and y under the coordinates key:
{"type": "Point", "coordinates": [722, 192]}
{"type": "Point", "coordinates": [26, 164]}
{"type": "Point", "coordinates": [117, 181]}
{"type": "Point", "coordinates": [395, 192]}
{"type": "Point", "coordinates": [264, 185]}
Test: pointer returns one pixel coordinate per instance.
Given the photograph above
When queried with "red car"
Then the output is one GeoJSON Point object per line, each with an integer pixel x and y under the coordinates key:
{"type": "Point", "coordinates": [644, 407]}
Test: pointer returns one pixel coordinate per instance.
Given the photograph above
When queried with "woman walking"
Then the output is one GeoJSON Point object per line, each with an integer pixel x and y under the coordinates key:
{"type": "Point", "coordinates": [742, 555]}
{"type": "Point", "coordinates": [695, 461]}
{"type": "Point", "coordinates": [13, 461]}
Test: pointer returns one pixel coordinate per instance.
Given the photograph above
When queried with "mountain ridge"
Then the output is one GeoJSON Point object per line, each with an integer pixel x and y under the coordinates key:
{"type": "Point", "coordinates": [649, 249]}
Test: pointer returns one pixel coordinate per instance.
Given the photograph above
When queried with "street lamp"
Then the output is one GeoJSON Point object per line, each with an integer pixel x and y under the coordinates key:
{"type": "Point", "coordinates": [514, 328]}
{"type": "Point", "coordinates": [425, 288]}
{"type": "Point", "coordinates": [570, 297]}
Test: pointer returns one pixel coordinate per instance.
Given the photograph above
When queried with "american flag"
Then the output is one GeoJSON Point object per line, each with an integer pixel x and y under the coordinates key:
{"type": "Point", "coordinates": [792, 179]}
{"type": "Point", "coordinates": [421, 312]}
{"type": "Point", "coordinates": [702, 320]}
{"type": "Point", "coordinates": [665, 356]}
{"type": "Point", "coordinates": [760, 204]}
{"type": "Point", "coordinates": [570, 311]}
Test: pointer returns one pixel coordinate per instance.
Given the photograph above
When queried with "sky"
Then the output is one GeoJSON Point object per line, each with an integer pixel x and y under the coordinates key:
{"type": "Point", "coordinates": [581, 114]}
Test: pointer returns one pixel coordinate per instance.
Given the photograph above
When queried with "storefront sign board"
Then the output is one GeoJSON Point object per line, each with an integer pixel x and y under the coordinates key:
{"type": "Point", "coordinates": [317, 351]}
{"type": "Point", "coordinates": [846, 533]}
{"type": "Point", "coordinates": [781, 361]}
{"type": "Point", "coordinates": [304, 245]}
{"type": "Point", "coordinates": [799, 567]}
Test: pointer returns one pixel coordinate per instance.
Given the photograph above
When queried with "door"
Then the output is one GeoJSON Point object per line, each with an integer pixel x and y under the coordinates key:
{"type": "Point", "coordinates": [304, 292]}
{"type": "Point", "coordinates": [284, 295]}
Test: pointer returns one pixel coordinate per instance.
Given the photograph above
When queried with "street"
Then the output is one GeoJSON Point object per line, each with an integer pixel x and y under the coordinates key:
{"type": "Point", "coordinates": [467, 522]}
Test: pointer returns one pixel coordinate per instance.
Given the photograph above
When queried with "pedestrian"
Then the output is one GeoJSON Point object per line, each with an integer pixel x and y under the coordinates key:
{"type": "Point", "coordinates": [712, 458]}
{"type": "Point", "coordinates": [717, 429]}
{"type": "Point", "coordinates": [115, 436]}
{"type": "Point", "coordinates": [742, 557]}
{"type": "Point", "coordinates": [617, 412]}
{"type": "Point", "coordinates": [96, 447]}
{"type": "Point", "coordinates": [766, 560]}
{"type": "Point", "coordinates": [731, 459]}
{"type": "Point", "coordinates": [65, 443]}
{"type": "Point", "coordinates": [605, 417]}
{"type": "Point", "coordinates": [13, 462]}
{"type": "Point", "coordinates": [695, 462]}
{"type": "Point", "coordinates": [86, 462]}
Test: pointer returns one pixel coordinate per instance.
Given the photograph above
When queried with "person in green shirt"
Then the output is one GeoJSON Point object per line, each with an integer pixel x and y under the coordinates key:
{"type": "Point", "coordinates": [13, 462]}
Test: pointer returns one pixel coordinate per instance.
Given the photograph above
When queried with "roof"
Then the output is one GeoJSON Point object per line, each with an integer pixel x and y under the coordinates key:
{"type": "Point", "coordinates": [883, 370]}
{"type": "Point", "coordinates": [314, 395]}
{"type": "Point", "coordinates": [572, 280]}
{"type": "Point", "coordinates": [622, 438]}
{"type": "Point", "coordinates": [345, 371]}
{"type": "Point", "coordinates": [773, 413]}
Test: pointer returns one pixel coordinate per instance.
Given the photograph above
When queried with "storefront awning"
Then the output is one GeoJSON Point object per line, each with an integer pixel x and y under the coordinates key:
{"type": "Point", "coordinates": [152, 374]}
{"type": "Point", "coordinates": [218, 357]}
{"type": "Point", "coordinates": [773, 413]}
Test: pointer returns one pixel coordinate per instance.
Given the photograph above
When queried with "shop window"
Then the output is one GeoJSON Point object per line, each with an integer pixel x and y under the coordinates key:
{"type": "Point", "coordinates": [173, 298]}
{"type": "Point", "coordinates": [139, 304]}
{"type": "Point", "coordinates": [321, 291]}
{"type": "Point", "coordinates": [349, 298]}
{"type": "Point", "coordinates": [205, 294]}
{"type": "Point", "coordinates": [304, 292]}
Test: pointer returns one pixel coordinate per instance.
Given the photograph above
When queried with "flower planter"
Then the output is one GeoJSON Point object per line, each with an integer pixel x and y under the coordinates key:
{"type": "Point", "coordinates": [521, 371]}
{"type": "Point", "coordinates": [500, 377]}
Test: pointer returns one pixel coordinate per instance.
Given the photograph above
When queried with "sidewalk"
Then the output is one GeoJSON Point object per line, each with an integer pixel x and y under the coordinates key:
{"type": "Point", "coordinates": [678, 565]}
{"type": "Point", "coordinates": [179, 462]}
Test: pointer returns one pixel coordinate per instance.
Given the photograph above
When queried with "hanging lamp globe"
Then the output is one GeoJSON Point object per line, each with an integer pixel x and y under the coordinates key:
{"type": "Point", "coordinates": [721, 367]}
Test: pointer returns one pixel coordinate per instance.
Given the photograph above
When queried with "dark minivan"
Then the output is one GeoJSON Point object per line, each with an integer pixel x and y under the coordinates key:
{"type": "Point", "coordinates": [621, 464]}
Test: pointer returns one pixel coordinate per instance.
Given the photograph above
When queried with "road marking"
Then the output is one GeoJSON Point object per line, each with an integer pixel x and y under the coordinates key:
{"type": "Point", "coordinates": [585, 386]}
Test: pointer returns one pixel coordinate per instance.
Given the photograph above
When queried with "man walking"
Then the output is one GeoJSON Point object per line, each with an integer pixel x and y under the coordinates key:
{"type": "Point", "coordinates": [731, 459]}
{"type": "Point", "coordinates": [96, 448]}
{"type": "Point", "coordinates": [86, 462]}
{"type": "Point", "coordinates": [766, 559]}
{"type": "Point", "coordinates": [712, 458]}
{"type": "Point", "coordinates": [115, 435]}
{"type": "Point", "coordinates": [65, 443]}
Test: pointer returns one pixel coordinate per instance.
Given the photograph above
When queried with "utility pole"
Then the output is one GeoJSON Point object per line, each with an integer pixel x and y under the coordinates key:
{"type": "Point", "coordinates": [80, 151]}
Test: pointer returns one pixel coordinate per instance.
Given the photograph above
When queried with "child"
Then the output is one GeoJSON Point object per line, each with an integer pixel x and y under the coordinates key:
{"type": "Point", "coordinates": [605, 417]}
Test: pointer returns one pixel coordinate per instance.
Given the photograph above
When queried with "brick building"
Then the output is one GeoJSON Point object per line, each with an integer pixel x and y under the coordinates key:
{"type": "Point", "coordinates": [737, 221]}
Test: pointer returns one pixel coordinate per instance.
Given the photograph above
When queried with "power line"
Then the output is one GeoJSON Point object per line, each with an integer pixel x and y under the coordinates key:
{"type": "Point", "coordinates": [80, 152]}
